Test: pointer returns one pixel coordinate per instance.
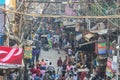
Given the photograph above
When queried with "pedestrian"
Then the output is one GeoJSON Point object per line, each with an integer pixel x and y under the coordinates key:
{"type": "Point", "coordinates": [37, 77]}
{"type": "Point", "coordinates": [64, 68]}
{"type": "Point", "coordinates": [82, 75]}
{"type": "Point", "coordinates": [58, 48]}
{"type": "Point", "coordinates": [70, 77]}
{"type": "Point", "coordinates": [70, 52]}
{"type": "Point", "coordinates": [47, 62]}
{"type": "Point", "coordinates": [50, 43]}
{"type": "Point", "coordinates": [50, 67]}
{"type": "Point", "coordinates": [54, 42]}
{"type": "Point", "coordinates": [87, 77]}
{"type": "Point", "coordinates": [60, 42]}
{"type": "Point", "coordinates": [66, 61]}
{"type": "Point", "coordinates": [63, 77]}
{"type": "Point", "coordinates": [68, 67]}
{"type": "Point", "coordinates": [37, 49]}
{"type": "Point", "coordinates": [43, 64]}
{"type": "Point", "coordinates": [64, 42]}
{"type": "Point", "coordinates": [13, 76]}
{"type": "Point", "coordinates": [59, 70]}
{"type": "Point", "coordinates": [75, 77]}
{"type": "Point", "coordinates": [59, 62]}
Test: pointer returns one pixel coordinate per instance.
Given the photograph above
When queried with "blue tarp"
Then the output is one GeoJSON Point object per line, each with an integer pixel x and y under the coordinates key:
{"type": "Point", "coordinates": [2, 2]}
{"type": "Point", "coordinates": [1, 40]}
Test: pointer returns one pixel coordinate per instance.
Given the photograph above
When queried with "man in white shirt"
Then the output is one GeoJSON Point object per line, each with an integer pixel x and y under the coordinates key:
{"type": "Point", "coordinates": [70, 52]}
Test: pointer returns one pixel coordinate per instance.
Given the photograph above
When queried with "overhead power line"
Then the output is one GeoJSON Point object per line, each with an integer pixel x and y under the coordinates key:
{"type": "Point", "coordinates": [59, 16]}
{"type": "Point", "coordinates": [100, 7]}
{"type": "Point", "coordinates": [38, 1]}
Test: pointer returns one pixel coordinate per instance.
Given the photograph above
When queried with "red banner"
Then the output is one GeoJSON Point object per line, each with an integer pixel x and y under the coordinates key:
{"type": "Point", "coordinates": [10, 55]}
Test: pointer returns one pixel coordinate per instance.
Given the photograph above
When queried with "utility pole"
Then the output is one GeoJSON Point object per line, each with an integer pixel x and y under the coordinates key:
{"type": "Point", "coordinates": [118, 55]}
{"type": "Point", "coordinates": [118, 43]}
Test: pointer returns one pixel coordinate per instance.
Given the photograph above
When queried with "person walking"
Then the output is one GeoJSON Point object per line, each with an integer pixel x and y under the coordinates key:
{"type": "Point", "coordinates": [75, 77]}
{"type": "Point", "coordinates": [70, 52]}
{"type": "Point", "coordinates": [58, 48]}
{"type": "Point", "coordinates": [36, 49]}
{"type": "Point", "coordinates": [59, 62]}
{"type": "Point", "coordinates": [43, 64]}
{"type": "Point", "coordinates": [70, 77]}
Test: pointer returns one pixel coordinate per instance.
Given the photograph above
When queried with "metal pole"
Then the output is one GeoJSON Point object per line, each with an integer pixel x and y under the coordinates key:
{"type": "Point", "coordinates": [118, 55]}
{"type": "Point", "coordinates": [5, 74]}
{"type": "Point", "coordinates": [89, 23]}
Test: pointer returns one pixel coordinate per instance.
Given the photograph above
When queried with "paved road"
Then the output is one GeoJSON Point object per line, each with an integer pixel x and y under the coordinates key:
{"type": "Point", "coordinates": [52, 56]}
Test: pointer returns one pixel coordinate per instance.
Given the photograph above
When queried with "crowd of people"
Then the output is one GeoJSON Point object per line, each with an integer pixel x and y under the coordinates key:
{"type": "Point", "coordinates": [67, 69]}
{"type": "Point", "coordinates": [44, 70]}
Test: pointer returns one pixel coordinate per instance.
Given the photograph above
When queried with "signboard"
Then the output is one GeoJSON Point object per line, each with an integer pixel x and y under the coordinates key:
{"type": "Point", "coordinates": [28, 52]}
{"type": "Point", "coordinates": [109, 68]}
{"type": "Point", "coordinates": [102, 48]}
{"type": "Point", "coordinates": [114, 64]}
{"type": "Point", "coordinates": [10, 57]}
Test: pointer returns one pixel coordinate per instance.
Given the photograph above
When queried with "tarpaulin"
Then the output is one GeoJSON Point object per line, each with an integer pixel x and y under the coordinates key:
{"type": "Point", "coordinates": [69, 11]}
{"type": "Point", "coordinates": [2, 21]}
{"type": "Point", "coordinates": [10, 56]}
{"type": "Point", "coordinates": [2, 2]}
{"type": "Point", "coordinates": [1, 39]}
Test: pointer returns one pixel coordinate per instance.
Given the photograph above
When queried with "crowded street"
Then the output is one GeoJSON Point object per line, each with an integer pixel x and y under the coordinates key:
{"type": "Point", "coordinates": [59, 39]}
{"type": "Point", "coordinates": [52, 56]}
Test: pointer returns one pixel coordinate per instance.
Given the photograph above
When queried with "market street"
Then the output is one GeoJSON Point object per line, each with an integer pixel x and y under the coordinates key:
{"type": "Point", "coordinates": [59, 39]}
{"type": "Point", "coordinates": [52, 56]}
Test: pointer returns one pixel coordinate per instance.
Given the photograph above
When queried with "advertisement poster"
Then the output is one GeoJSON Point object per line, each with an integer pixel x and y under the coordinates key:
{"type": "Point", "coordinates": [10, 57]}
{"type": "Point", "coordinates": [109, 71]}
{"type": "Point", "coordinates": [114, 64]}
{"type": "Point", "coordinates": [102, 48]}
{"type": "Point", "coordinates": [28, 52]}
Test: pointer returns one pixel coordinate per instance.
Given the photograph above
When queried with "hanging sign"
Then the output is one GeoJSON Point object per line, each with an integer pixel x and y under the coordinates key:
{"type": "Point", "coordinates": [109, 68]}
{"type": "Point", "coordinates": [102, 48]}
{"type": "Point", "coordinates": [114, 64]}
{"type": "Point", "coordinates": [28, 52]}
{"type": "Point", "coordinates": [10, 57]}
